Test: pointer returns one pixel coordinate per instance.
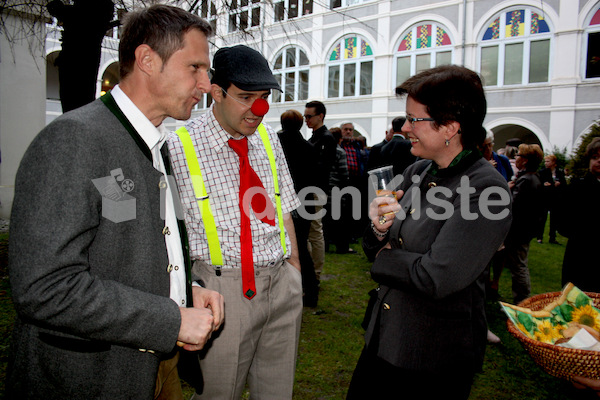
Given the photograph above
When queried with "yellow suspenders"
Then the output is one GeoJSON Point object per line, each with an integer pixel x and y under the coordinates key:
{"type": "Point", "coordinates": [267, 143]}
{"type": "Point", "coordinates": [214, 245]}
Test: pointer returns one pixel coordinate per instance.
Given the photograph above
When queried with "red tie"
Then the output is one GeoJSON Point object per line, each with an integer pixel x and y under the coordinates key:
{"type": "Point", "coordinates": [259, 204]}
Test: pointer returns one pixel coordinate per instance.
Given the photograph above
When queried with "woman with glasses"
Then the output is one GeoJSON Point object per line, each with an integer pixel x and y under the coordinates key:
{"type": "Point", "coordinates": [426, 330]}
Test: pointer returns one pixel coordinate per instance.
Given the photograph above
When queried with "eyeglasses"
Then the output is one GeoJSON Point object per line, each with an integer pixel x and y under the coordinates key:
{"type": "Point", "coordinates": [308, 116]}
{"type": "Point", "coordinates": [412, 120]}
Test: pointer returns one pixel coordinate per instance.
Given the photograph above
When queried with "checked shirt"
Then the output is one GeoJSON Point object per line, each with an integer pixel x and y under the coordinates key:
{"type": "Point", "coordinates": [220, 170]}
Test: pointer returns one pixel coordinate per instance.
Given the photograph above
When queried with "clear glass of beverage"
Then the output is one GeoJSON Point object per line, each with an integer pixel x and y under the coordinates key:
{"type": "Point", "coordinates": [384, 176]}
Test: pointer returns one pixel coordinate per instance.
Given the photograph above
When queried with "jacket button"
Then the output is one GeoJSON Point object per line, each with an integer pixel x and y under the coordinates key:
{"type": "Point", "coordinates": [386, 306]}
{"type": "Point", "coordinates": [400, 241]}
{"type": "Point", "coordinates": [169, 268]}
{"type": "Point", "coordinates": [432, 184]}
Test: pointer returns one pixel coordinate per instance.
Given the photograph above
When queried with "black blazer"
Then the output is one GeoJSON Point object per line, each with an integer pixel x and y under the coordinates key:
{"type": "Point", "coordinates": [375, 160]}
{"type": "Point", "coordinates": [301, 157]}
{"type": "Point", "coordinates": [552, 192]}
{"type": "Point", "coordinates": [527, 210]}
{"type": "Point", "coordinates": [397, 153]}
{"type": "Point", "coordinates": [325, 145]}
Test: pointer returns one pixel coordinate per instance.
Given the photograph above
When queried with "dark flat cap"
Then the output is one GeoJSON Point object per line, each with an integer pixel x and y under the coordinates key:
{"type": "Point", "coordinates": [246, 68]}
{"type": "Point", "coordinates": [514, 142]}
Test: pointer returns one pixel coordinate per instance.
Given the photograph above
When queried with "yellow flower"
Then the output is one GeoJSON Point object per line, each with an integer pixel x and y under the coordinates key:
{"type": "Point", "coordinates": [586, 315]}
{"type": "Point", "coordinates": [548, 333]}
{"type": "Point", "coordinates": [523, 329]}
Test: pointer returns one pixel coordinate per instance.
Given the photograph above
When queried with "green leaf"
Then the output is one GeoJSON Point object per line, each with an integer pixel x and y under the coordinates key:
{"type": "Point", "coordinates": [565, 311]}
{"type": "Point", "coordinates": [526, 320]}
{"type": "Point", "coordinates": [582, 300]}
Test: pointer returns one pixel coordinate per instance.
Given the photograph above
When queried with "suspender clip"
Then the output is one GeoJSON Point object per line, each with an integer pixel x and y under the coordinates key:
{"type": "Point", "coordinates": [217, 270]}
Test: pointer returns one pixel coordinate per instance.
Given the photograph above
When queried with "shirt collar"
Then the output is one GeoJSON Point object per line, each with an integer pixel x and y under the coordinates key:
{"type": "Point", "coordinates": [151, 134]}
{"type": "Point", "coordinates": [218, 137]}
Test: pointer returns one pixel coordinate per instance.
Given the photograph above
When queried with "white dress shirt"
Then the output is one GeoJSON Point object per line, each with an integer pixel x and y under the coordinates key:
{"type": "Point", "coordinates": [155, 137]}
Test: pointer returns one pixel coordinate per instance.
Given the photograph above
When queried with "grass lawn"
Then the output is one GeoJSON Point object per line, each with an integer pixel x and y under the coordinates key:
{"type": "Point", "coordinates": [331, 336]}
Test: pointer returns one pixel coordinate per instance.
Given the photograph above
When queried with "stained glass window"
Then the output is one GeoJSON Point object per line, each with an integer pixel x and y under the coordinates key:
{"type": "Point", "coordinates": [355, 55]}
{"type": "Point", "coordinates": [423, 46]}
{"type": "Point", "coordinates": [515, 48]}
{"type": "Point", "coordinates": [592, 61]}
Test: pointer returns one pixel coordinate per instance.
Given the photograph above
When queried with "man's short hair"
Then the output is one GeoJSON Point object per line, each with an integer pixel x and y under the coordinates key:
{"type": "Point", "coordinates": [398, 123]}
{"type": "Point", "coordinates": [161, 27]}
{"type": "Point", "coordinates": [318, 106]}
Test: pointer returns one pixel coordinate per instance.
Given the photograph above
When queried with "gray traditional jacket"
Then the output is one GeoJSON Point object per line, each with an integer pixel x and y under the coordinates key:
{"type": "Point", "coordinates": [88, 275]}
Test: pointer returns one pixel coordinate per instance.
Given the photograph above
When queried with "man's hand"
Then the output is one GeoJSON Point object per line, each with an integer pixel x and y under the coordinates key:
{"type": "Point", "coordinates": [205, 298]}
{"type": "Point", "coordinates": [199, 322]}
{"type": "Point", "coordinates": [288, 224]}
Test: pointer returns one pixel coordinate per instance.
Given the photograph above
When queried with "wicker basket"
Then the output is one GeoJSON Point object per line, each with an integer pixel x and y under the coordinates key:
{"type": "Point", "coordinates": [558, 361]}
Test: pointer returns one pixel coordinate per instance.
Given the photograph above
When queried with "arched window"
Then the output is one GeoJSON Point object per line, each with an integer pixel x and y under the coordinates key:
{"type": "Point", "coordinates": [350, 68]}
{"type": "Point", "coordinates": [291, 71]}
{"type": "Point", "coordinates": [423, 46]}
{"type": "Point", "coordinates": [110, 77]}
{"type": "Point", "coordinates": [592, 61]}
{"type": "Point", "coordinates": [515, 48]}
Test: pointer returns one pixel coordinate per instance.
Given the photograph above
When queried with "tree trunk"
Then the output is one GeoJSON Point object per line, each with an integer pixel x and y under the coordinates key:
{"type": "Point", "coordinates": [84, 25]}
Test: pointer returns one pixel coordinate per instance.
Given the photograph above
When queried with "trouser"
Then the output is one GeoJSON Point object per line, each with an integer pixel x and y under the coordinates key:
{"type": "Point", "coordinates": [310, 284]}
{"type": "Point", "coordinates": [515, 260]}
{"type": "Point", "coordinates": [337, 230]}
{"type": "Point", "coordinates": [168, 385]}
{"type": "Point", "coordinates": [258, 341]}
{"type": "Point", "coordinates": [317, 243]}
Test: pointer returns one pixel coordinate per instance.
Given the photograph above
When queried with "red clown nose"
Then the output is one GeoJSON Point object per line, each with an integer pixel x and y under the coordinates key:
{"type": "Point", "coordinates": [260, 107]}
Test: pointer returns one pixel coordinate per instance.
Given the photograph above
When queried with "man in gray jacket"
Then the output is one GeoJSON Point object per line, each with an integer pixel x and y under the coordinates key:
{"type": "Point", "coordinates": [100, 280]}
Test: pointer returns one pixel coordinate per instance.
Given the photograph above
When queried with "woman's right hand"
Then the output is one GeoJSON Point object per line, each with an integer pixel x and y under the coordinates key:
{"type": "Point", "coordinates": [382, 211]}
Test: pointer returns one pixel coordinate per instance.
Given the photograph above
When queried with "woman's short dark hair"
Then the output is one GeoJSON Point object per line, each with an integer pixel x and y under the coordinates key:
{"type": "Point", "coordinates": [161, 27]}
{"type": "Point", "coordinates": [291, 120]}
{"type": "Point", "coordinates": [451, 93]}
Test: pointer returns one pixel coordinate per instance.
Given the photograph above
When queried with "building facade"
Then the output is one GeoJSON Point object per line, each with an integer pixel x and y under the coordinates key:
{"type": "Point", "coordinates": [539, 59]}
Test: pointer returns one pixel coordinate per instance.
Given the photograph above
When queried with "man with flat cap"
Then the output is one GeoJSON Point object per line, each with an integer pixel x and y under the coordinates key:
{"type": "Point", "coordinates": [237, 195]}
